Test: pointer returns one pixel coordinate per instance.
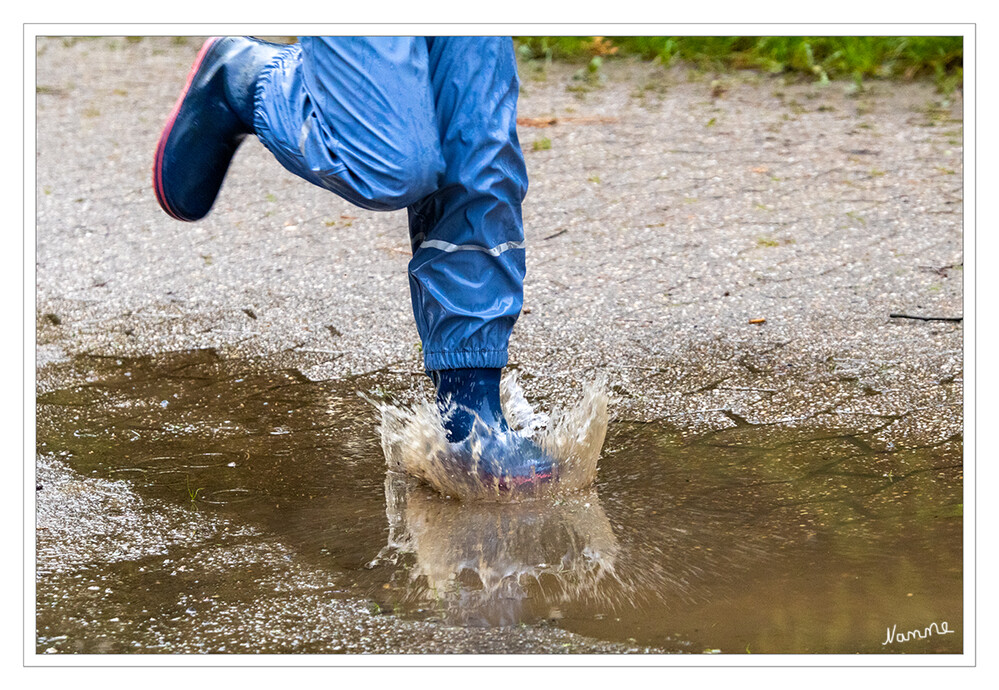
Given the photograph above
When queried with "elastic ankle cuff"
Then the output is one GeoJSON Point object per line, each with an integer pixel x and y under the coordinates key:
{"type": "Point", "coordinates": [465, 359]}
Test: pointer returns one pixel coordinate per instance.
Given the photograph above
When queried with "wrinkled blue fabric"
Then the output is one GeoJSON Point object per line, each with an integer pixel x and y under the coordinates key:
{"type": "Point", "coordinates": [427, 124]}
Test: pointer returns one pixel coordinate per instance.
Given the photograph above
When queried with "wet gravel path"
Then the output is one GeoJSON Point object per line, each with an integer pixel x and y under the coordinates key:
{"type": "Point", "coordinates": [670, 210]}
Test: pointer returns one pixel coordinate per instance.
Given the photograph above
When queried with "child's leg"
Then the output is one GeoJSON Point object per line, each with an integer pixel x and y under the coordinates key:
{"type": "Point", "coordinates": [354, 115]}
{"type": "Point", "coordinates": [467, 271]}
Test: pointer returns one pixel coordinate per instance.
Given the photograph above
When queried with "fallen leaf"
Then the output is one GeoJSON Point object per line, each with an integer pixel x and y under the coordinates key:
{"type": "Point", "coordinates": [537, 121]}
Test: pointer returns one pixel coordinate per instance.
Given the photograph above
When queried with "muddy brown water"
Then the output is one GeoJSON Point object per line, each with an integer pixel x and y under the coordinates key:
{"type": "Point", "coordinates": [745, 540]}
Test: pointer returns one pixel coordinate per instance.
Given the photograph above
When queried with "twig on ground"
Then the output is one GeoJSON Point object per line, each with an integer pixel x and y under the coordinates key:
{"type": "Point", "coordinates": [926, 318]}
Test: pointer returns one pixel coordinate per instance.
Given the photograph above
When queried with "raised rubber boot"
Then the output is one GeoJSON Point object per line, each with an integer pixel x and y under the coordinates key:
{"type": "Point", "coordinates": [209, 121]}
{"type": "Point", "coordinates": [469, 401]}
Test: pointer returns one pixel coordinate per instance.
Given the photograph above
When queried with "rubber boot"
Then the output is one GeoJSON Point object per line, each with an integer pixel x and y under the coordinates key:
{"type": "Point", "coordinates": [212, 116]}
{"type": "Point", "coordinates": [469, 401]}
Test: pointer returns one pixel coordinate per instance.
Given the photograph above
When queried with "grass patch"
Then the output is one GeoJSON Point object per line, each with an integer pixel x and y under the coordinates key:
{"type": "Point", "coordinates": [821, 57]}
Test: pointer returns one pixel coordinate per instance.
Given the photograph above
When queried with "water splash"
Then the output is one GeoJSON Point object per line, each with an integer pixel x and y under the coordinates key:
{"type": "Point", "coordinates": [415, 442]}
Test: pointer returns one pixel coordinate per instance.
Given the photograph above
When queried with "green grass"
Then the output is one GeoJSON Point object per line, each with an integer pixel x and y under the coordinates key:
{"type": "Point", "coordinates": [542, 144]}
{"type": "Point", "coordinates": [821, 57]}
{"type": "Point", "coordinates": [193, 493]}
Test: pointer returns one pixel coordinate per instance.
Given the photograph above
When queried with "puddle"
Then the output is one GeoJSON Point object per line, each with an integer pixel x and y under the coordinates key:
{"type": "Point", "coordinates": [746, 540]}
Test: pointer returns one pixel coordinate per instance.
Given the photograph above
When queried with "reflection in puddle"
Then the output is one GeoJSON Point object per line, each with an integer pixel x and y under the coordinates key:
{"type": "Point", "coordinates": [745, 539]}
{"type": "Point", "coordinates": [492, 563]}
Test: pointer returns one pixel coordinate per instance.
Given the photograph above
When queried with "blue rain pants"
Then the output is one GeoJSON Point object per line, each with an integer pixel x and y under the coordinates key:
{"type": "Point", "coordinates": [427, 124]}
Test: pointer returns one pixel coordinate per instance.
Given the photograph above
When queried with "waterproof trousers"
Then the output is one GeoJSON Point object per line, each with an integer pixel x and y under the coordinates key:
{"type": "Point", "coordinates": [426, 124]}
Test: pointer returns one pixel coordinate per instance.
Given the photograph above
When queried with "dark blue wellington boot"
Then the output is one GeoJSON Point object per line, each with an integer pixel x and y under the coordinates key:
{"type": "Point", "coordinates": [469, 400]}
{"type": "Point", "coordinates": [209, 121]}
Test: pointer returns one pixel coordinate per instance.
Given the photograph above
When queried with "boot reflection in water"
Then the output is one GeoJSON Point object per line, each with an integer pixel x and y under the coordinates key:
{"type": "Point", "coordinates": [500, 563]}
{"type": "Point", "coordinates": [426, 124]}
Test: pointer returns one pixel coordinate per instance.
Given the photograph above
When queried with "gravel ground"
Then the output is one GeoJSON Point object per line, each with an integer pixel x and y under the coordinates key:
{"type": "Point", "coordinates": [667, 211]}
